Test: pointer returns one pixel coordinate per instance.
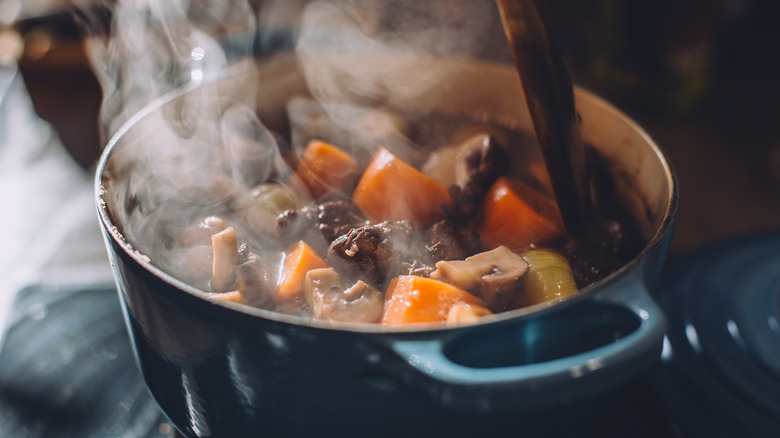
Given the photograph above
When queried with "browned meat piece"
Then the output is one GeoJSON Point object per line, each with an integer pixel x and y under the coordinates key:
{"type": "Point", "coordinates": [449, 242]}
{"type": "Point", "coordinates": [319, 225]}
{"type": "Point", "coordinates": [327, 299]}
{"type": "Point", "coordinates": [372, 251]}
{"type": "Point", "coordinates": [336, 218]}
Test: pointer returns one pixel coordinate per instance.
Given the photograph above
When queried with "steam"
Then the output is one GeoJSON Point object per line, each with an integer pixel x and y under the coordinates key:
{"type": "Point", "coordinates": [143, 49]}
{"type": "Point", "coordinates": [340, 40]}
{"type": "Point", "coordinates": [209, 148]}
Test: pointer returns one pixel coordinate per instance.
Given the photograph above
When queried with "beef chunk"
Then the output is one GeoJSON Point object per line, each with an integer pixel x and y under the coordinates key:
{"type": "Point", "coordinates": [319, 224]}
{"type": "Point", "coordinates": [372, 252]}
{"type": "Point", "coordinates": [447, 241]}
{"type": "Point", "coordinates": [336, 218]}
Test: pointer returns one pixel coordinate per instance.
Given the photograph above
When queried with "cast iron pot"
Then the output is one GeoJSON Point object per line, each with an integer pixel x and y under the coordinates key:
{"type": "Point", "coordinates": [220, 369]}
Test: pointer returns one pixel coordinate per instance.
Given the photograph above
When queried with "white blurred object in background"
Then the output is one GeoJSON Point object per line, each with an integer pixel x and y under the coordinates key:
{"type": "Point", "coordinates": [49, 225]}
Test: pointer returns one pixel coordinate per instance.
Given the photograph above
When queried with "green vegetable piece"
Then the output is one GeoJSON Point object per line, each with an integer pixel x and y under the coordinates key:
{"type": "Point", "coordinates": [549, 277]}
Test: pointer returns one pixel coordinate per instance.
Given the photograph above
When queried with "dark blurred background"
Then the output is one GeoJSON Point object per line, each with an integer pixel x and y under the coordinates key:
{"type": "Point", "coordinates": [700, 75]}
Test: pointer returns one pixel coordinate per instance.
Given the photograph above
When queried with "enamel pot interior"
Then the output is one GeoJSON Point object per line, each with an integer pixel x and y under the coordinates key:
{"type": "Point", "coordinates": [222, 369]}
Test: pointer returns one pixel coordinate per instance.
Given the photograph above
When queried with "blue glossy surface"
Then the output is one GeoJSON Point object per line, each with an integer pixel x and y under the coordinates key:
{"type": "Point", "coordinates": [67, 369]}
{"type": "Point", "coordinates": [720, 370]}
{"type": "Point", "coordinates": [218, 371]}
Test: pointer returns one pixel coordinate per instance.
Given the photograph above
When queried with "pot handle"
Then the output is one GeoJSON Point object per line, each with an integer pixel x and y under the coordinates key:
{"type": "Point", "coordinates": [588, 344]}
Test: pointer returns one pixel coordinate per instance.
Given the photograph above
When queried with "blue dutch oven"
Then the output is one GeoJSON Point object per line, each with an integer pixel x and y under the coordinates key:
{"type": "Point", "coordinates": [220, 369]}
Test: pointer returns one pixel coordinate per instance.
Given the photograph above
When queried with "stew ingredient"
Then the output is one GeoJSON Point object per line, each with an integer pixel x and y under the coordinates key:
{"type": "Point", "coordinates": [464, 230]}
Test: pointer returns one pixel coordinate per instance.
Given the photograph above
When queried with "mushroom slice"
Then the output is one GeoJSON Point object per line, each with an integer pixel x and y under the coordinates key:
{"type": "Point", "coordinates": [327, 299]}
{"type": "Point", "coordinates": [480, 162]}
{"type": "Point", "coordinates": [253, 279]}
{"type": "Point", "coordinates": [495, 276]}
{"type": "Point", "coordinates": [439, 164]}
{"type": "Point", "coordinates": [225, 247]}
{"type": "Point", "coordinates": [469, 156]}
{"type": "Point", "coordinates": [479, 159]}
{"type": "Point", "coordinates": [465, 313]}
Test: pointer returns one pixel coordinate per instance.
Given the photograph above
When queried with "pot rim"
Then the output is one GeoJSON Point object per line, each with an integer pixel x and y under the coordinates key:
{"type": "Point", "coordinates": [583, 293]}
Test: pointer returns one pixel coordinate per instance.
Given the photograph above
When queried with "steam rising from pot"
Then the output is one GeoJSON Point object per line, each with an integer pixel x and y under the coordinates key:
{"type": "Point", "coordinates": [204, 154]}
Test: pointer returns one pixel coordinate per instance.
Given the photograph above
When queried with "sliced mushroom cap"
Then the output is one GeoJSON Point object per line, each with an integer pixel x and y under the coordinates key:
{"type": "Point", "coordinates": [253, 278]}
{"type": "Point", "coordinates": [496, 276]}
{"type": "Point", "coordinates": [479, 156]}
{"type": "Point", "coordinates": [468, 157]}
{"type": "Point", "coordinates": [327, 299]}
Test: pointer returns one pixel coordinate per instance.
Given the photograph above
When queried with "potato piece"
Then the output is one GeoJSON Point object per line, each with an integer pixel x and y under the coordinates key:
{"type": "Point", "coordinates": [260, 207]}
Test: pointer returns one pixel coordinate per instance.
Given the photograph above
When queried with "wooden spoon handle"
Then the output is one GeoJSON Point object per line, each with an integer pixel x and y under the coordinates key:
{"type": "Point", "coordinates": [550, 99]}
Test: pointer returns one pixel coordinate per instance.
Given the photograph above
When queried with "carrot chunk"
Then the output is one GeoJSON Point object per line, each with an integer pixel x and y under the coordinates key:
{"type": "Point", "coordinates": [517, 216]}
{"type": "Point", "coordinates": [325, 168]}
{"type": "Point", "coordinates": [413, 299]}
{"type": "Point", "coordinates": [391, 189]}
{"type": "Point", "coordinates": [300, 259]}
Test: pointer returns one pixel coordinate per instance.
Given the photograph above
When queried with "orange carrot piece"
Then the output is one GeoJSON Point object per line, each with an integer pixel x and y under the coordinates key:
{"type": "Point", "coordinates": [413, 299]}
{"type": "Point", "coordinates": [517, 216]}
{"type": "Point", "coordinates": [300, 259]}
{"type": "Point", "coordinates": [391, 189]}
{"type": "Point", "coordinates": [325, 168]}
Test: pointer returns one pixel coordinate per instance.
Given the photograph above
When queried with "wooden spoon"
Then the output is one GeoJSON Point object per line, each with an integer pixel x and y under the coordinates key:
{"type": "Point", "coordinates": [550, 99]}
